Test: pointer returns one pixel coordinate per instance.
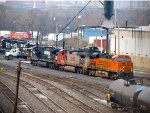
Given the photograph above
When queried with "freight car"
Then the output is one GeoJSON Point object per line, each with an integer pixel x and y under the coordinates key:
{"type": "Point", "coordinates": [130, 97]}
{"type": "Point", "coordinates": [91, 61]}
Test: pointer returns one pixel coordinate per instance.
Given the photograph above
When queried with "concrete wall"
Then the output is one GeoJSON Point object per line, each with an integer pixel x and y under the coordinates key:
{"type": "Point", "coordinates": [141, 63]}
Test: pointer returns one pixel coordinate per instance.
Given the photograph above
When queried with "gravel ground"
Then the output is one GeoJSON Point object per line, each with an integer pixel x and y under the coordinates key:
{"type": "Point", "coordinates": [57, 98]}
{"type": "Point", "coordinates": [5, 104]}
{"type": "Point", "coordinates": [24, 94]}
{"type": "Point", "coordinates": [38, 106]}
{"type": "Point", "coordinates": [89, 102]}
{"type": "Point", "coordinates": [1, 110]}
{"type": "Point", "coordinates": [44, 70]}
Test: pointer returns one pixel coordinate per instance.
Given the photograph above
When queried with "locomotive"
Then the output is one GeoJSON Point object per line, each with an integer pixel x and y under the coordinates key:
{"type": "Point", "coordinates": [129, 96]}
{"type": "Point", "coordinates": [44, 56]}
{"type": "Point", "coordinates": [88, 61]}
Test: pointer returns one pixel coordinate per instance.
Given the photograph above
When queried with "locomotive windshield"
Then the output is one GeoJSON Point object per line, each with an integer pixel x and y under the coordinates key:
{"type": "Point", "coordinates": [124, 59]}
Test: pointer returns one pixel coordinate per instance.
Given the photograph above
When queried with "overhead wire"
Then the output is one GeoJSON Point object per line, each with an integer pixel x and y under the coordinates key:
{"type": "Point", "coordinates": [74, 17]}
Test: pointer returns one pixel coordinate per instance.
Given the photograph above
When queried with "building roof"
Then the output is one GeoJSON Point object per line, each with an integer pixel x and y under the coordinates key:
{"type": "Point", "coordinates": [137, 28]}
{"type": "Point", "coordinates": [145, 28]}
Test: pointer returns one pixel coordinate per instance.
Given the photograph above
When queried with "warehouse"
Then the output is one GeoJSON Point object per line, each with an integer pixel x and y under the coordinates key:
{"type": "Point", "coordinates": [132, 41]}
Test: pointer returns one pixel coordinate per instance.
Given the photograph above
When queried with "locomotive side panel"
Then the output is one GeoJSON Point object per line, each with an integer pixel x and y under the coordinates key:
{"type": "Point", "coordinates": [73, 59]}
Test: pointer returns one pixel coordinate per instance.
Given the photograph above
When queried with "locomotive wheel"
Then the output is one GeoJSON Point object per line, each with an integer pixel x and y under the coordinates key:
{"type": "Point", "coordinates": [86, 72]}
{"type": "Point", "coordinates": [75, 70]}
{"type": "Point", "coordinates": [92, 73]}
{"type": "Point", "coordinates": [78, 70]}
{"type": "Point", "coordinates": [47, 65]}
{"type": "Point", "coordinates": [81, 71]}
{"type": "Point", "coordinates": [57, 67]}
{"type": "Point", "coordinates": [34, 63]}
{"type": "Point", "coordinates": [61, 68]}
{"type": "Point", "coordinates": [114, 76]}
{"type": "Point", "coordinates": [125, 109]}
{"type": "Point", "coordinates": [52, 66]}
{"type": "Point", "coordinates": [110, 76]}
{"type": "Point", "coordinates": [89, 73]}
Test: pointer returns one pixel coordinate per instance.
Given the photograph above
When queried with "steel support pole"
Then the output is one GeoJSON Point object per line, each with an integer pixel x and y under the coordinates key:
{"type": "Point", "coordinates": [17, 87]}
{"type": "Point", "coordinates": [107, 41]}
{"type": "Point", "coordinates": [63, 40]}
{"type": "Point", "coordinates": [115, 44]}
{"type": "Point", "coordinates": [56, 40]}
{"type": "Point", "coordinates": [78, 35]}
{"type": "Point", "coordinates": [118, 41]}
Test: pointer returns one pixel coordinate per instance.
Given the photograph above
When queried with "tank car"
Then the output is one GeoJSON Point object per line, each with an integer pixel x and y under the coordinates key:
{"type": "Point", "coordinates": [130, 97]}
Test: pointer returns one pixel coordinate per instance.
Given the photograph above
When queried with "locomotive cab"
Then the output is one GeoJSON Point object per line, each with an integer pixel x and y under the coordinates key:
{"type": "Point", "coordinates": [124, 66]}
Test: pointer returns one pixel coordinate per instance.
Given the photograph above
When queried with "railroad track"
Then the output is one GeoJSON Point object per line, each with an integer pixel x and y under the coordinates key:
{"type": "Point", "coordinates": [71, 83]}
{"type": "Point", "coordinates": [53, 108]}
{"type": "Point", "coordinates": [74, 83]}
{"type": "Point", "coordinates": [84, 107]}
{"type": "Point", "coordinates": [102, 88]}
{"type": "Point", "coordinates": [22, 107]}
{"type": "Point", "coordinates": [78, 85]}
{"type": "Point", "coordinates": [64, 95]}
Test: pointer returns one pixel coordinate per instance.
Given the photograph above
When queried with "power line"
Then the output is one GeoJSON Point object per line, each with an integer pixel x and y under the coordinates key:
{"type": "Point", "coordinates": [74, 17]}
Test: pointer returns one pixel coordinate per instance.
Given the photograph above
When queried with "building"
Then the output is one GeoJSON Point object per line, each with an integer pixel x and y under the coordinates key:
{"type": "Point", "coordinates": [5, 34]}
{"type": "Point", "coordinates": [134, 42]}
{"type": "Point", "coordinates": [132, 4]}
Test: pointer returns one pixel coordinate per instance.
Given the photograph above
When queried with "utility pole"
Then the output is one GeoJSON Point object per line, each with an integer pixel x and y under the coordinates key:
{"type": "Point", "coordinates": [107, 41]}
{"type": "Point", "coordinates": [96, 37]}
{"type": "Point", "coordinates": [56, 30]}
{"type": "Point", "coordinates": [115, 44]}
{"type": "Point", "coordinates": [63, 40]}
{"type": "Point", "coordinates": [17, 86]}
{"type": "Point", "coordinates": [78, 32]}
{"type": "Point", "coordinates": [37, 39]}
{"type": "Point", "coordinates": [118, 41]}
{"type": "Point", "coordinates": [56, 40]}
